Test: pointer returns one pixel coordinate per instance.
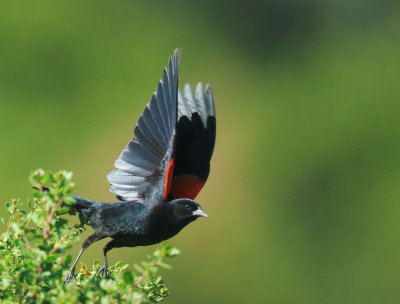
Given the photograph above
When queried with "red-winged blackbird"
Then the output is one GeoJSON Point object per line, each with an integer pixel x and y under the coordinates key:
{"type": "Point", "coordinates": [160, 171]}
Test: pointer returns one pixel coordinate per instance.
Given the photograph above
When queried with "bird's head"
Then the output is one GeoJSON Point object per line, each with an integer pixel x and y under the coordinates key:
{"type": "Point", "coordinates": [185, 210]}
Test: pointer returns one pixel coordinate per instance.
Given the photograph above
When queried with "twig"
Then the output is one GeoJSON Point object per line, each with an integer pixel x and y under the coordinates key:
{"type": "Point", "coordinates": [58, 245]}
{"type": "Point", "coordinates": [23, 296]}
{"type": "Point", "coordinates": [53, 210]}
{"type": "Point", "coordinates": [11, 216]}
{"type": "Point", "coordinates": [50, 216]}
{"type": "Point", "coordinates": [30, 215]}
{"type": "Point", "coordinates": [28, 245]}
{"type": "Point", "coordinates": [141, 278]}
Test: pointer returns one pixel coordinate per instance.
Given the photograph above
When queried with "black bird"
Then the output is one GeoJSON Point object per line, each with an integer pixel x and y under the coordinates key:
{"type": "Point", "coordinates": [159, 172]}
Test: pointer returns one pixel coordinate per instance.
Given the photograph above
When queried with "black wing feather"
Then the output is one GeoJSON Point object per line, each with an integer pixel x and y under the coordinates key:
{"type": "Point", "coordinates": [195, 132]}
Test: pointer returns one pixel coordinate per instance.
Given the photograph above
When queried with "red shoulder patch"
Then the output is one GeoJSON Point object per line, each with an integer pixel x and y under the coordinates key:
{"type": "Point", "coordinates": [168, 178]}
{"type": "Point", "coordinates": [186, 186]}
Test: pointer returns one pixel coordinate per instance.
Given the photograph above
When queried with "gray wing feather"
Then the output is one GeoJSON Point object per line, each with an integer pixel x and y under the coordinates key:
{"type": "Point", "coordinates": [135, 155]}
{"type": "Point", "coordinates": [209, 101]}
{"type": "Point", "coordinates": [150, 142]}
{"type": "Point", "coordinates": [202, 102]}
{"type": "Point", "coordinates": [157, 118]}
{"type": "Point", "coordinates": [126, 167]}
{"type": "Point", "coordinates": [140, 164]}
{"type": "Point", "coordinates": [163, 109]}
{"type": "Point", "coordinates": [190, 100]}
{"type": "Point", "coordinates": [183, 110]}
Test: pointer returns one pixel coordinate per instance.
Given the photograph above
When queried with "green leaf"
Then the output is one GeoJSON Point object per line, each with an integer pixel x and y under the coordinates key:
{"type": "Point", "coordinates": [128, 278]}
{"type": "Point", "coordinates": [174, 252]}
{"type": "Point", "coordinates": [45, 178]}
{"type": "Point", "coordinates": [20, 211]}
{"type": "Point", "coordinates": [164, 265]}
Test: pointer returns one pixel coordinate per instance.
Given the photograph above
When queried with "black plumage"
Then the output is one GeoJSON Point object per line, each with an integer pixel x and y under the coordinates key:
{"type": "Point", "coordinates": [159, 172]}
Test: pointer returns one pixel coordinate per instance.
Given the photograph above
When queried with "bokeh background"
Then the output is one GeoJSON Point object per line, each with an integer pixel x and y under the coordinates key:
{"type": "Point", "coordinates": [304, 190]}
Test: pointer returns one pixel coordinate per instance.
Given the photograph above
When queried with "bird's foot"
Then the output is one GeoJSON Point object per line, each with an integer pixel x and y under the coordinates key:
{"type": "Point", "coordinates": [104, 270]}
{"type": "Point", "coordinates": [70, 276]}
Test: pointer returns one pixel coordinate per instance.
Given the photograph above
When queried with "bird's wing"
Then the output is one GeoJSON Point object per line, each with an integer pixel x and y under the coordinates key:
{"type": "Point", "coordinates": [144, 168]}
{"type": "Point", "coordinates": [195, 139]}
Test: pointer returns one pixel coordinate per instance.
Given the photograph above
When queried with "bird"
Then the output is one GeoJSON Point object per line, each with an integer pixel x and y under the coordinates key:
{"type": "Point", "coordinates": [160, 171]}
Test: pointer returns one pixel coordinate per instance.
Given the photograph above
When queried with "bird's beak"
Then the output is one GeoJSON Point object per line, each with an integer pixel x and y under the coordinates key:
{"type": "Point", "coordinates": [199, 212]}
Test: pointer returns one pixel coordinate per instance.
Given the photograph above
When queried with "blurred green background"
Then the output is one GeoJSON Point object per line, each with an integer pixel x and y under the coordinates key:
{"type": "Point", "coordinates": [303, 194]}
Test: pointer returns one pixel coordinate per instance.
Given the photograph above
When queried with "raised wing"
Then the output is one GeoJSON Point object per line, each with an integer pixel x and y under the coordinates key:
{"type": "Point", "coordinates": [143, 167]}
{"type": "Point", "coordinates": [195, 139]}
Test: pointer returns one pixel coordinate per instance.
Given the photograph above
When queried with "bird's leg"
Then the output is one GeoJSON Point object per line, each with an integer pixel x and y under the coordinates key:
{"type": "Point", "coordinates": [71, 273]}
{"type": "Point", "coordinates": [91, 239]}
{"type": "Point", "coordinates": [104, 268]}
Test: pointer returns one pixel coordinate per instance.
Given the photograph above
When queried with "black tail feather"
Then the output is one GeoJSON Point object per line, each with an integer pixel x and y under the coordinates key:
{"type": "Point", "coordinates": [83, 206]}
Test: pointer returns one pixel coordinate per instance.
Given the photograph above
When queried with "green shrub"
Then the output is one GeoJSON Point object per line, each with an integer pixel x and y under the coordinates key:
{"type": "Point", "coordinates": [33, 263]}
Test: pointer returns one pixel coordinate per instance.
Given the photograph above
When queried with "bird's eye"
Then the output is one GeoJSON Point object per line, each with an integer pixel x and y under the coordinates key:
{"type": "Point", "coordinates": [187, 206]}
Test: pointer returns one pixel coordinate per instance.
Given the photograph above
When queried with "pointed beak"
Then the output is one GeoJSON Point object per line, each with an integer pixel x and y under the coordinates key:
{"type": "Point", "coordinates": [200, 212]}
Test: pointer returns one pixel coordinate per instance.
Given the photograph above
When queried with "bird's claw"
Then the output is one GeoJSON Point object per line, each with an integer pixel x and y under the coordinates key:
{"type": "Point", "coordinates": [70, 276]}
{"type": "Point", "coordinates": [104, 270]}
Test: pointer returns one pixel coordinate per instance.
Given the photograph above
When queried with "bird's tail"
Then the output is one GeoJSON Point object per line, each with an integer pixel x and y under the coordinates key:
{"type": "Point", "coordinates": [84, 206]}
